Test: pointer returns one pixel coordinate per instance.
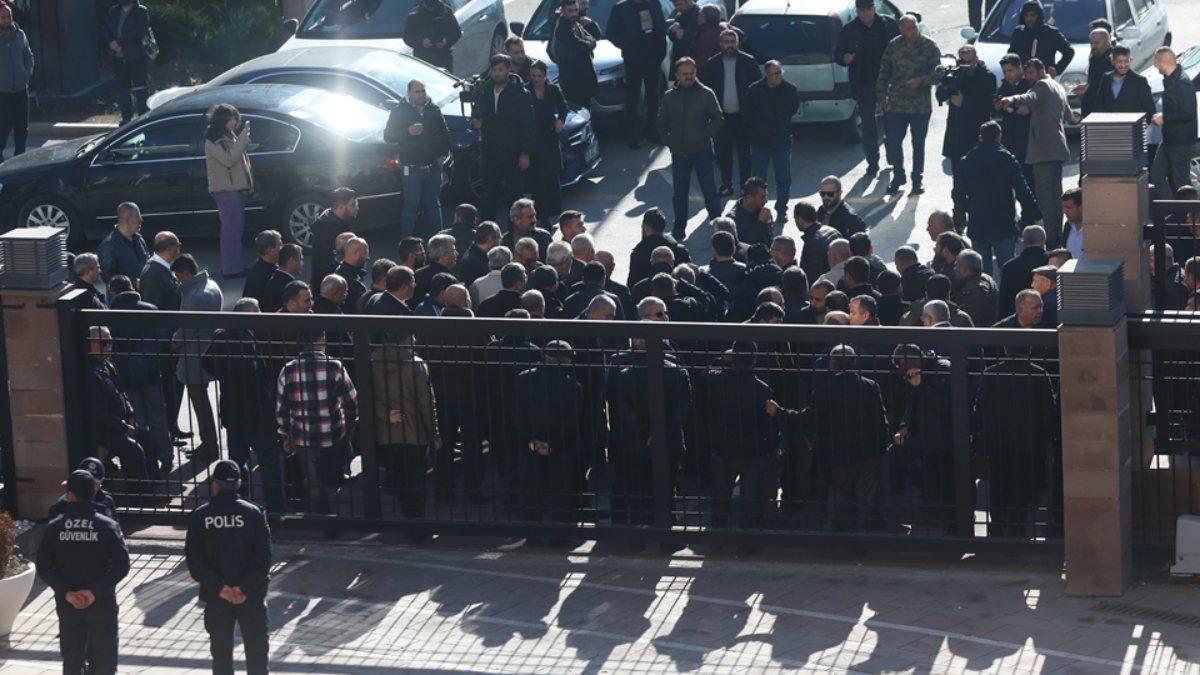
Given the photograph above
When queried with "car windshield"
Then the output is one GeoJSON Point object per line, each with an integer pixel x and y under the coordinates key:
{"type": "Point", "coordinates": [356, 19]}
{"type": "Point", "coordinates": [542, 22]}
{"type": "Point", "coordinates": [341, 115]}
{"type": "Point", "coordinates": [792, 40]}
{"type": "Point", "coordinates": [395, 72]}
{"type": "Point", "coordinates": [1072, 17]}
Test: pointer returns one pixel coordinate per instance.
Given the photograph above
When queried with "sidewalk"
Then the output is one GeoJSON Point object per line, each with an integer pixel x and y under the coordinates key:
{"type": "Point", "coordinates": [369, 608]}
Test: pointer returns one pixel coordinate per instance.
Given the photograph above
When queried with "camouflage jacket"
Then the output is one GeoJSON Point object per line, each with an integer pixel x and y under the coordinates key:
{"type": "Point", "coordinates": [902, 62]}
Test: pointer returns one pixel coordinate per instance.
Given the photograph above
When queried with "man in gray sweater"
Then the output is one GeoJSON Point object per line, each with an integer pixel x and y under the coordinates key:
{"type": "Point", "coordinates": [16, 67]}
{"type": "Point", "coordinates": [1048, 150]}
{"type": "Point", "coordinates": [688, 120]}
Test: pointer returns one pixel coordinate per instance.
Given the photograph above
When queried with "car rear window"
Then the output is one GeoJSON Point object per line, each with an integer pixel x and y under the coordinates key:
{"type": "Point", "coordinates": [1072, 17]}
{"type": "Point", "coordinates": [356, 19]}
{"type": "Point", "coordinates": [792, 40]}
{"type": "Point", "coordinates": [341, 115]}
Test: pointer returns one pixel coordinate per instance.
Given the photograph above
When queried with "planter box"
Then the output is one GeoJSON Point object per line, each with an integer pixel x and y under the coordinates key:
{"type": "Point", "coordinates": [13, 593]}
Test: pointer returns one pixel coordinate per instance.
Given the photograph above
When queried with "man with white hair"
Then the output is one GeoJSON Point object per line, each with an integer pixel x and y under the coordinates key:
{"type": "Point", "coordinates": [332, 297]}
{"type": "Point", "coordinates": [974, 291]}
{"type": "Point", "coordinates": [488, 285]}
{"type": "Point", "coordinates": [935, 314]}
{"type": "Point", "coordinates": [525, 252]}
{"type": "Point", "coordinates": [86, 268]}
{"type": "Point", "coordinates": [1028, 314]}
{"type": "Point", "coordinates": [559, 257]}
{"type": "Point", "coordinates": [522, 218]}
{"type": "Point", "coordinates": [839, 253]}
{"type": "Point", "coordinates": [441, 256]}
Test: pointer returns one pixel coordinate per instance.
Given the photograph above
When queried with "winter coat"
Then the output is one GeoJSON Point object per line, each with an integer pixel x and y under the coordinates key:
{"type": "Point", "coordinates": [425, 148]}
{"type": "Point", "coordinates": [437, 24]}
{"type": "Point", "coordinates": [228, 164]}
{"type": "Point", "coordinates": [16, 61]}
{"type": "Point", "coordinates": [984, 185]}
{"type": "Point", "coordinates": [1042, 41]}
{"type": "Point", "coordinates": [689, 118]}
{"type": "Point", "coordinates": [507, 125]}
{"type": "Point", "coordinates": [768, 112]}
{"type": "Point", "coordinates": [401, 382]}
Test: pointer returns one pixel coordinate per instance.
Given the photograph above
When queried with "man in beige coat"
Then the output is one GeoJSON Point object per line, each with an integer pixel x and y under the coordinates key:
{"type": "Point", "coordinates": [405, 420]}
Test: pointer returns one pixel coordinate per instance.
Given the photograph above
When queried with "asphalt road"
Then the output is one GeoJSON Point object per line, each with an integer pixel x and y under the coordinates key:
{"type": "Point", "coordinates": [630, 181]}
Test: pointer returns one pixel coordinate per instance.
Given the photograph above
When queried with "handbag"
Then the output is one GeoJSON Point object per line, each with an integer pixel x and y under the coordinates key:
{"type": "Point", "coordinates": [150, 45]}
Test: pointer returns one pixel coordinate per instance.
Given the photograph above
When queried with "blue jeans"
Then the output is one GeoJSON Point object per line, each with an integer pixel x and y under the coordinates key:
{"type": "Point", "coordinates": [682, 167]}
{"type": "Point", "coordinates": [268, 454]}
{"type": "Point", "coordinates": [781, 159]}
{"type": "Point", "coordinates": [896, 125]}
{"type": "Point", "coordinates": [422, 187]}
{"type": "Point", "coordinates": [1000, 250]}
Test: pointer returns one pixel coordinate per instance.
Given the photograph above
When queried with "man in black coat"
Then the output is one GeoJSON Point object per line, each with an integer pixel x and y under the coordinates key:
{"type": "Point", "coordinates": [751, 215]}
{"type": "Point", "coordinates": [503, 115]}
{"type": "Point", "coordinates": [924, 442]}
{"type": "Point", "coordinates": [332, 223]}
{"type": "Point", "coordinates": [970, 100]}
{"type": "Point", "coordinates": [1099, 64]}
{"type": "Point", "coordinates": [913, 273]}
{"type": "Point", "coordinates": [682, 28]}
{"type": "Point", "coordinates": [547, 404]}
{"type": "Point", "coordinates": [464, 227]}
{"type": "Point", "coordinates": [1123, 89]}
{"type": "Point", "coordinates": [834, 210]}
{"type": "Point", "coordinates": [1016, 424]}
{"type": "Point", "coordinates": [158, 285]}
{"type": "Point", "coordinates": [731, 94]}
{"type": "Point", "coordinates": [267, 244]}
{"type": "Point", "coordinates": [473, 262]}
{"type": "Point", "coordinates": [1017, 273]}
{"type": "Point", "coordinates": [985, 182]}
{"type": "Point", "coordinates": [353, 269]}
{"type": "Point", "coordinates": [571, 47]}
{"type": "Point", "coordinates": [1171, 169]}
{"type": "Point", "coordinates": [741, 435]}
{"type": "Point", "coordinates": [432, 30]}
{"type": "Point", "coordinates": [512, 279]}
{"type": "Point", "coordinates": [111, 422]}
{"type": "Point", "coordinates": [860, 47]}
{"type": "Point", "coordinates": [814, 258]}
{"type": "Point", "coordinates": [291, 262]}
{"type": "Point", "coordinates": [1034, 38]}
{"type": "Point", "coordinates": [639, 29]}
{"type": "Point", "coordinates": [442, 257]}
{"type": "Point", "coordinates": [591, 285]}
{"type": "Point", "coordinates": [1014, 121]}
{"type": "Point", "coordinates": [654, 226]}
{"type": "Point", "coordinates": [136, 356]}
{"type": "Point", "coordinates": [771, 103]}
{"type": "Point", "coordinates": [396, 300]}
{"type": "Point", "coordinates": [418, 131]}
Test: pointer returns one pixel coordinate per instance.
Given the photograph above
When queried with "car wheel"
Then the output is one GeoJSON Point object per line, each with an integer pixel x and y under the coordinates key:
{"type": "Point", "coordinates": [299, 216]}
{"type": "Point", "coordinates": [468, 178]}
{"type": "Point", "coordinates": [498, 38]}
{"type": "Point", "coordinates": [53, 212]}
{"type": "Point", "coordinates": [851, 129]}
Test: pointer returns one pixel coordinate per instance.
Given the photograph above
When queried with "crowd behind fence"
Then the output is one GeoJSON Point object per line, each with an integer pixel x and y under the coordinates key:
{"type": "Point", "coordinates": [555, 429]}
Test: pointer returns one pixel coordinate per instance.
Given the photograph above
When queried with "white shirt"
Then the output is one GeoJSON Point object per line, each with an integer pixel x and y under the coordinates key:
{"type": "Point", "coordinates": [835, 275]}
{"type": "Point", "coordinates": [729, 97]}
{"type": "Point", "coordinates": [485, 287]}
{"type": "Point", "coordinates": [1075, 240]}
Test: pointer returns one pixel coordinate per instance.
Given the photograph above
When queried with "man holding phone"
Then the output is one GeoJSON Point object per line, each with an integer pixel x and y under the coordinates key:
{"type": "Point", "coordinates": [422, 139]}
{"type": "Point", "coordinates": [860, 48]}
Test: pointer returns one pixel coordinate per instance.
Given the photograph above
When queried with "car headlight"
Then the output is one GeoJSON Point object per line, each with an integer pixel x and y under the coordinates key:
{"type": "Point", "coordinates": [1072, 80]}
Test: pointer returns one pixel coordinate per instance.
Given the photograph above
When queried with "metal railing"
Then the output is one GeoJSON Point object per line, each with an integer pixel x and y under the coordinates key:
{"type": "Point", "coordinates": [647, 430]}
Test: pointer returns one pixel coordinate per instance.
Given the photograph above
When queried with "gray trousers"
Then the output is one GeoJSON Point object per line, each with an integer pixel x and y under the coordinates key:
{"type": "Point", "coordinates": [150, 408]}
{"type": "Point", "coordinates": [1172, 169]}
{"type": "Point", "coordinates": [1048, 189]}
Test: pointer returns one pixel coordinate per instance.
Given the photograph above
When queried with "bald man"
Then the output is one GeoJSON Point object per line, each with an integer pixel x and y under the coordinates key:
{"type": "Point", "coordinates": [1172, 162]}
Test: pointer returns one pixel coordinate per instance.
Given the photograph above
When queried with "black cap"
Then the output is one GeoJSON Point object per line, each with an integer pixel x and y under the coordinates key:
{"type": "Point", "coordinates": [81, 484]}
{"type": "Point", "coordinates": [226, 471]}
{"type": "Point", "coordinates": [864, 4]}
{"type": "Point", "coordinates": [94, 467]}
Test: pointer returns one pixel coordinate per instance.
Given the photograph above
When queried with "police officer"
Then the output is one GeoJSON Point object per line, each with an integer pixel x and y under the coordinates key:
{"type": "Point", "coordinates": [83, 557]}
{"type": "Point", "coordinates": [103, 501]}
{"type": "Point", "coordinates": [229, 552]}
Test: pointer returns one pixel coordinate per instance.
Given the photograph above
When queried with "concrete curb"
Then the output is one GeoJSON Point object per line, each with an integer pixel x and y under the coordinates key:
{"type": "Point", "coordinates": [69, 129]}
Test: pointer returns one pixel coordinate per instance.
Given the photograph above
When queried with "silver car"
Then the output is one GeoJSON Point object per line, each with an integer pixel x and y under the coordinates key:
{"type": "Point", "coordinates": [380, 23]}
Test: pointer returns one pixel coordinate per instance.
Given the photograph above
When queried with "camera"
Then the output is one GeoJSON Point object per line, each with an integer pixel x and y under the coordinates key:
{"type": "Point", "coordinates": [949, 80]}
{"type": "Point", "coordinates": [470, 86]}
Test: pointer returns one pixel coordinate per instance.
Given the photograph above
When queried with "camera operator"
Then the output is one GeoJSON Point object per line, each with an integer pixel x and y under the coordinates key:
{"type": "Point", "coordinates": [969, 88]}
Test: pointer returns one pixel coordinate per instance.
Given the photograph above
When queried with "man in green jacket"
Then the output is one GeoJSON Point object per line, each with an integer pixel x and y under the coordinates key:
{"type": "Point", "coordinates": [688, 120]}
{"type": "Point", "coordinates": [905, 77]}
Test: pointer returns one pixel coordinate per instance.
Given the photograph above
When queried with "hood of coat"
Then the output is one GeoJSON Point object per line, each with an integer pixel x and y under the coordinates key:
{"type": "Point", "coordinates": [1034, 6]}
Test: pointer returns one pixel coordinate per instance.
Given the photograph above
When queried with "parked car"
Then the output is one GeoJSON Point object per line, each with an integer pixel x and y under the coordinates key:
{"type": "Point", "coordinates": [305, 142]}
{"type": "Point", "coordinates": [610, 69]}
{"type": "Point", "coordinates": [1140, 25]}
{"type": "Point", "coordinates": [380, 77]}
{"type": "Point", "coordinates": [802, 34]}
{"type": "Point", "coordinates": [380, 23]}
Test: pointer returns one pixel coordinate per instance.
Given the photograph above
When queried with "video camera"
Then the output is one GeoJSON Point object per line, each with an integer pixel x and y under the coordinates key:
{"type": "Point", "coordinates": [948, 78]}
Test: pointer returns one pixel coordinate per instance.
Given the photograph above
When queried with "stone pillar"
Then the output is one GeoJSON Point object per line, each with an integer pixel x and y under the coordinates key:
{"type": "Point", "coordinates": [1098, 438]}
{"type": "Point", "coordinates": [1115, 209]}
{"type": "Point", "coordinates": [35, 374]}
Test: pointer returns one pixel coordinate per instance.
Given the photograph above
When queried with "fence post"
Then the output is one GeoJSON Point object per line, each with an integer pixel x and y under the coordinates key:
{"type": "Point", "coordinates": [368, 450]}
{"type": "Point", "coordinates": [960, 411]}
{"type": "Point", "coordinates": [1098, 435]}
{"type": "Point", "coordinates": [1115, 209]}
{"type": "Point", "coordinates": [664, 493]}
{"type": "Point", "coordinates": [38, 384]}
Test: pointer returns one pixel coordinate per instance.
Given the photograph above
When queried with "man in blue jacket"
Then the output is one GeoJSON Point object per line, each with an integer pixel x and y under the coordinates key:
{"type": "Point", "coordinates": [123, 251]}
{"type": "Point", "coordinates": [16, 67]}
{"type": "Point", "coordinates": [987, 178]}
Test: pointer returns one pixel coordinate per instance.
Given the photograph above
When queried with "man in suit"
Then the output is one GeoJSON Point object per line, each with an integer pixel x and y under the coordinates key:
{"type": "Point", "coordinates": [1123, 89]}
{"type": "Point", "coordinates": [1048, 150]}
{"type": "Point", "coordinates": [729, 74]}
{"type": "Point", "coordinates": [290, 262]}
{"type": "Point", "coordinates": [1017, 274]}
{"type": "Point", "coordinates": [160, 288]}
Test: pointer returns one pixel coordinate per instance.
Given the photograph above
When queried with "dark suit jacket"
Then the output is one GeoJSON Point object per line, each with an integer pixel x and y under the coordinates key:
{"type": "Point", "coordinates": [1135, 96]}
{"type": "Point", "coordinates": [1016, 276]}
{"type": "Point", "coordinates": [159, 287]}
{"type": "Point", "coordinates": [498, 305]}
{"type": "Point", "coordinates": [272, 300]}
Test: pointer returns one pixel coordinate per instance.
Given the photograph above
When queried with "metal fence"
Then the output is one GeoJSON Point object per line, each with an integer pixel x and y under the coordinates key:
{"type": "Point", "coordinates": [644, 430]}
{"type": "Point", "coordinates": [1175, 237]}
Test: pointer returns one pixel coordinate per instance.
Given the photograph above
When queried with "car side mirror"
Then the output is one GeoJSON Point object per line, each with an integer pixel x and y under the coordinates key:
{"type": "Point", "coordinates": [1130, 33]}
{"type": "Point", "coordinates": [968, 34]}
{"type": "Point", "coordinates": [107, 157]}
{"type": "Point", "coordinates": [517, 28]}
{"type": "Point", "coordinates": [290, 26]}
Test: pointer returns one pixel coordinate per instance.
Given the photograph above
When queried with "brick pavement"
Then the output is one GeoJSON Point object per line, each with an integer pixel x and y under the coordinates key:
{"type": "Point", "coordinates": [366, 608]}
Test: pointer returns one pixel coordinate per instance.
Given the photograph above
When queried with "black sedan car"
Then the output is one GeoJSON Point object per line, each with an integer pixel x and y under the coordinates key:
{"type": "Point", "coordinates": [305, 143]}
{"type": "Point", "coordinates": [380, 77]}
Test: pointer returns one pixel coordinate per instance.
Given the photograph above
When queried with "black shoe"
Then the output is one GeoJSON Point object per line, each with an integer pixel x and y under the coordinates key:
{"type": "Point", "coordinates": [917, 187]}
{"type": "Point", "coordinates": [725, 191]}
{"type": "Point", "coordinates": [898, 182]}
{"type": "Point", "coordinates": [873, 169]}
{"type": "Point", "coordinates": [781, 216]}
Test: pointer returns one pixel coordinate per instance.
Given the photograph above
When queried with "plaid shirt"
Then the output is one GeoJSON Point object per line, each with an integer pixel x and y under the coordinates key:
{"type": "Point", "coordinates": [315, 401]}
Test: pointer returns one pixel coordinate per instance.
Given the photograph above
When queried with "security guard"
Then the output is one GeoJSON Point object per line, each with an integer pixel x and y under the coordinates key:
{"type": "Point", "coordinates": [83, 557]}
{"type": "Point", "coordinates": [229, 552]}
{"type": "Point", "coordinates": [103, 502]}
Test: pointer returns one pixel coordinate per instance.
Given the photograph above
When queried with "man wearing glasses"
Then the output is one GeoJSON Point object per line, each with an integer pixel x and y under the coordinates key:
{"type": "Point", "coordinates": [834, 210]}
